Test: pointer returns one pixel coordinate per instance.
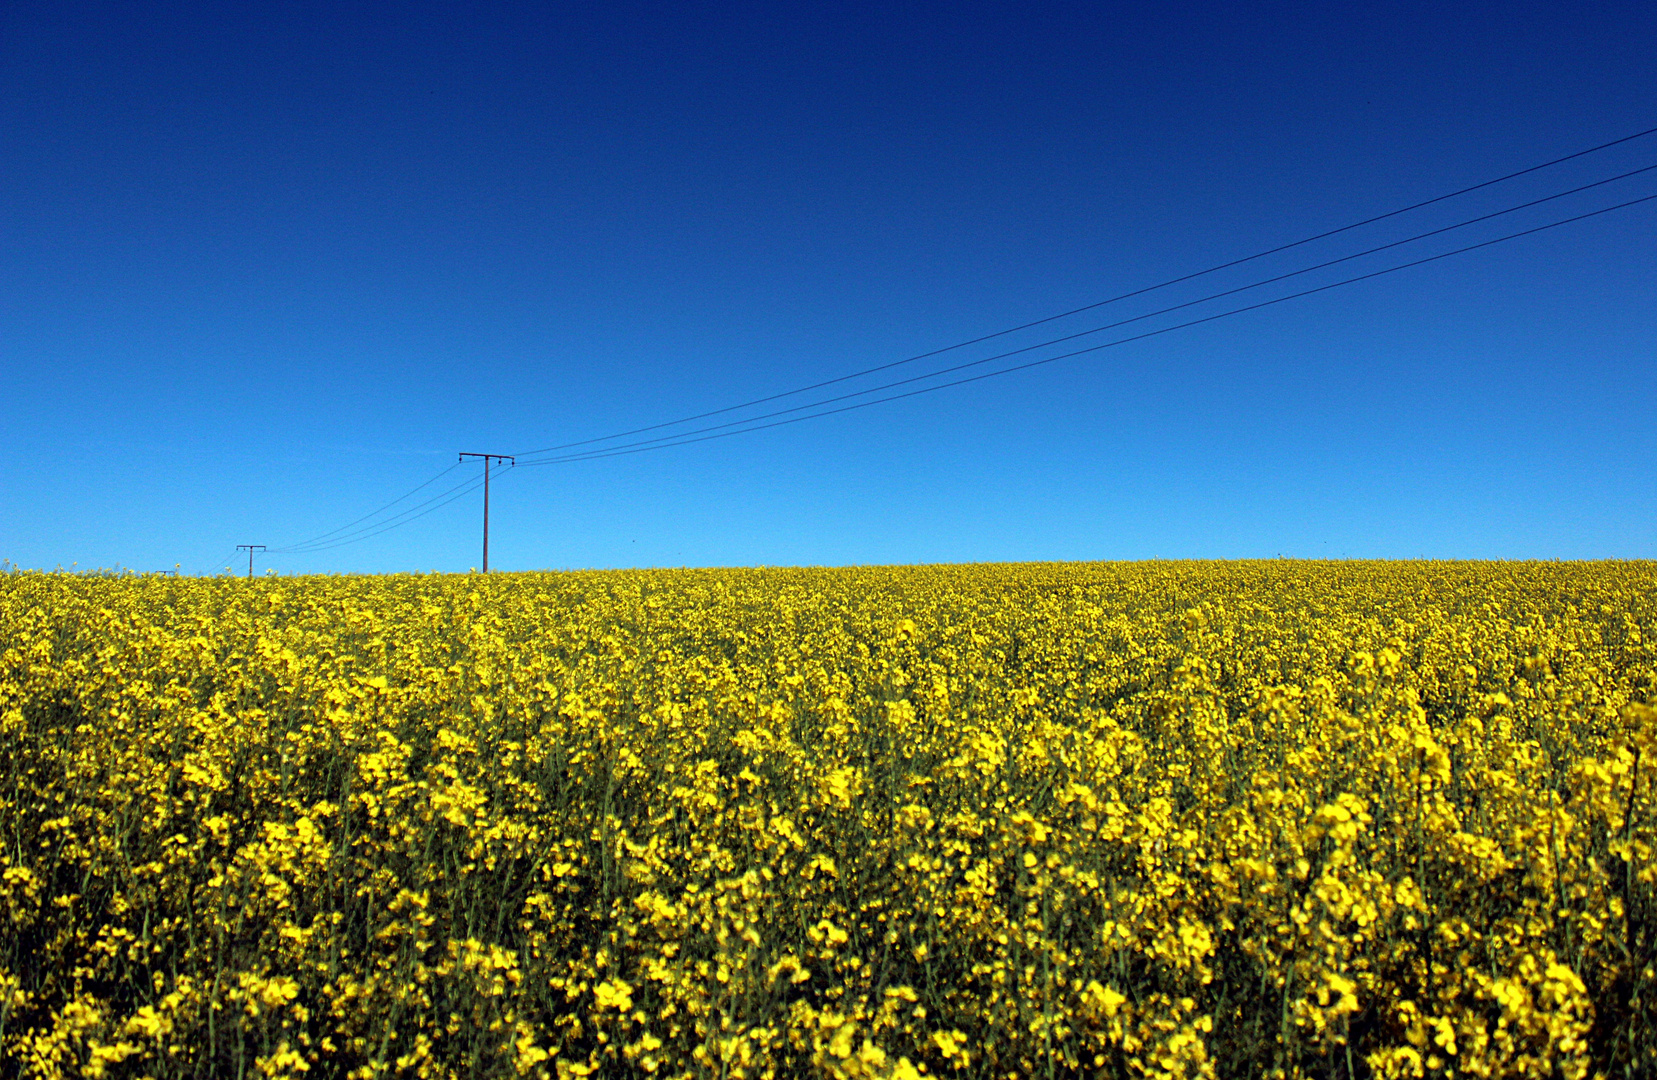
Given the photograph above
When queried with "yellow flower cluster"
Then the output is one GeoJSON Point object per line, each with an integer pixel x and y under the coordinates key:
{"type": "Point", "coordinates": [1122, 820]}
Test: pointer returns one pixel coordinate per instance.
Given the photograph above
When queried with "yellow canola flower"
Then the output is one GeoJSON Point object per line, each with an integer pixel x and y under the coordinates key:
{"type": "Point", "coordinates": [1092, 819]}
{"type": "Point", "coordinates": [613, 995]}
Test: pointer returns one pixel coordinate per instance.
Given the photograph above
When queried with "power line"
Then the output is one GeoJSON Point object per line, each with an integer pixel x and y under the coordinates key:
{"type": "Point", "coordinates": [302, 549]}
{"type": "Point", "coordinates": [443, 499]}
{"type": "Point", "coordinates": [396, 521]}
{"type": "Point", "coordinates": [1137, 318]}
{"type": "Point", "coordinates": [1101, 303]}
{"type": "Point", "coordinates": [594, 455]}
{"type": "Point", "coordinates": [459, 493]}
{"type": "Point", "coordinates": [468, 489]}
{"type": "Point", "coordinates": [350, 533]}
{"type": "Point", "coordinates": [419, 487]}
{"type": "Point", "coordinates": [669, 439]}
{"type": "Point", "coordinates": [220, 563]}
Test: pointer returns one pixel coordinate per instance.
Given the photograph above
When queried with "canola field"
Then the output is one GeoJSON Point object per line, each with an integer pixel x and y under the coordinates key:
{"type": "Point", "coordinates": [1058, 820]}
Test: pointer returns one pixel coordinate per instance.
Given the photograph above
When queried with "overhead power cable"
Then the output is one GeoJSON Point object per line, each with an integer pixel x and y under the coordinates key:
{"type": "Point", "coordinates": [375, 529]}
{"type": "Point", "coordinates": [289, 548]}
{"type": "Point", "coordinates": [221, 563]}
{"type": "Point", "coordinates": [465, 488]}
{"type": "Point", "coordinates": [365, 527]}
{"type": "Point", "coordinates": [459, 492]}
{"type": "Point", "coordinates": [1137, 318]}
{"type": "Point", "coordinates": [593, 455]}
{"type": "Point", "coordinates": [669, 439]}
{"type": "Point", "coordinates": [1100, 303]}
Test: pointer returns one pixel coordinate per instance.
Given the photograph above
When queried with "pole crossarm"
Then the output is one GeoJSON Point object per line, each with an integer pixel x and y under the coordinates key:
{"type": "Point", "coordinates": [250, 549]}
{"type": "Point", "coordinates": [487, 458]}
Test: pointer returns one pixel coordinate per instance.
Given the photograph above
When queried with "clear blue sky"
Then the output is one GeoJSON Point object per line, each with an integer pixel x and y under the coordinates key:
{"type": "Point", "coordinates": [265, 267]}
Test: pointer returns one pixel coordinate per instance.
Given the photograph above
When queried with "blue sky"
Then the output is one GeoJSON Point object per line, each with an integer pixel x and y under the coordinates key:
{"type": "Point", "coordinates": [265, 267]}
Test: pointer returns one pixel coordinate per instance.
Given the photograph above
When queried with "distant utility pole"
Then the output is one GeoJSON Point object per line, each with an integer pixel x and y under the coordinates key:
{"type": "Point", "coordinates": [486, 459]}
{"type": "Point", "coordinates": [250, 549]}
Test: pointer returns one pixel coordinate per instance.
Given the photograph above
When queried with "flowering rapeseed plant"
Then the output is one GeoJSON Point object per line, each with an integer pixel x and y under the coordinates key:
{"type": "Point", "coordinates": [1159, 820]}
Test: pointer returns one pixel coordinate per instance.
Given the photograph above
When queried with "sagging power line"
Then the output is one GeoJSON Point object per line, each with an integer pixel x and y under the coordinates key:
{"type": "Point", "coordinates": [375, 513]}
{"type": "Point", "coordinates": [1111, 300]}
{"type": "Point", "coordinates": [372, 524]}
{"type": "Point", "coordinates": [341, 537]}
{"type": "Point", "coordinates": [742, 426]}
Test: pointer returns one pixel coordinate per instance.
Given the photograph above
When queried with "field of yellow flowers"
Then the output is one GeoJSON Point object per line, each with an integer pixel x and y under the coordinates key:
{"type": "Point", "coordinates": [1056, 820]}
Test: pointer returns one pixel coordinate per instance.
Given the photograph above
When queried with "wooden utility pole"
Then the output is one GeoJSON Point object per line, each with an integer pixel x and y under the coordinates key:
{"type": "Point", "coordinates": [486, 459]}
{"type": "Point", "coordinates": [250, 549]}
